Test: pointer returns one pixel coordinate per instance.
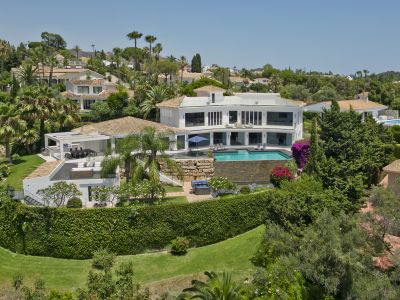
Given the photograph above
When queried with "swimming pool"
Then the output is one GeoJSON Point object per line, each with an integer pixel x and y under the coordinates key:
{"type": "Point", "coordinates": [243, 155]}
{"type": "Point", "coordinates": [391, 122]}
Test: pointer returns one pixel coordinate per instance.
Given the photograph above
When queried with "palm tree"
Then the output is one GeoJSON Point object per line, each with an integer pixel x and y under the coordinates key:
{"type": "Point", "coordinates": [11, 126]}
{"type": "Point", "coordinates": [214, 289]}
{"type": "Point", "coordinates": [171, 58]}
{"type": "Point", "coordinates": [127, 150]}
{"type": "Point", "coordinates": [135, 35]}
{"type": "Point", "coordinates": [27, 73]}
{"type": "Point", "coordinates": [365, 73]}
{"type": "Point", "coordinates": [150, 39]}
{"type": "Point", "coordinates": [153, 147]}
{"type": "Point", "coordinates": [77, 49]}
{"type": "Point", "coordinates": [37, 103]}
{"type": "Point", "coordinates": [155, 95]}
{"type": "Point", "coordinates": [29, 137]}
{"type": "Point", "coordinates": [157, 50]}
{"type": "Point", "coordinates": [117, 55]}
{"type": "Point", "coordinates": [67, 113]}
{"type": "Point", "coordinates": [5, 51]}
{"type": "Point", "coordinates": [182, 65]}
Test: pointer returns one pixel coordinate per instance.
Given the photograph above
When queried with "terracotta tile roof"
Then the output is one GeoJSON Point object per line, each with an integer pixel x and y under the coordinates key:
{"type": "Point", "coordinates": [124, 126]}
{"type": "Point", "coordinates": [358, 104]}
{"type": "Point", "coordinates": [91, 81]}
{"type": "Point", "coordinates": [102, 96]}
{"type": "Point", "coordinates": [44, 169]}
{"type": "Point", "coordinates": [172, 103]}
{"type": "Point", "coordinates": [393, 167]}
{"type": "Point", "coordinates": [209, 88]}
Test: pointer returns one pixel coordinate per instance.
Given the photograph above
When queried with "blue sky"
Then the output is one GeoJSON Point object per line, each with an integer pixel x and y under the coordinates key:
{"type": "Point", "coordinates": [342, 36]}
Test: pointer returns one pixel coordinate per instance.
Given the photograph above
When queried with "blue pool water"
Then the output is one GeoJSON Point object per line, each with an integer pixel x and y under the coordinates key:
{"type": "Point", "coordinates": [392, 122]}
{"type": "Point", "coordinates": [250, 155]}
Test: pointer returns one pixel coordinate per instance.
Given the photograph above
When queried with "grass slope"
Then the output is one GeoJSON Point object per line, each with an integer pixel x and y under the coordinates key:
{"type": "Point", "coordinates": [22, 168]}
{"type": "Point", "coordinates": [63, 274]}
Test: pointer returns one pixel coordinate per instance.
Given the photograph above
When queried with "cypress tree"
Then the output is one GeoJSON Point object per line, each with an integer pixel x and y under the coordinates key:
{"type": "Point", "coordinates": [315, 151]}
{"type": "Point", "coordinates": [196, 63]}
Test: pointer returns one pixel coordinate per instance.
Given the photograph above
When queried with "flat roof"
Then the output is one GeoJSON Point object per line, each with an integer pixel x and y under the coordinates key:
{"type": "Point", "coordinates": [76, 137]}
{"type": "Point", "coordinates": [239, 99]}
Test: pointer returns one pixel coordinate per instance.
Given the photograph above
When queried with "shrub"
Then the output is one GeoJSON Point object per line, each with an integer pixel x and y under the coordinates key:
{"type": "Point", "coordinates": [245, 190]}
{"type": "Point", "coordinates": [280, 174]}
{"type": "Point", "coordinates": [397, 150]}
{"type": "Point", "coordinates": [300, 152]}
{"type": "Point", "coordinates": [78, 233]}
{"type": "Point", "coordinates": [221, 183]}
{"type": "Point", "coordinates": [15, 157]}
{"type": "Point", "coordinates": [179, 246]}
{"type": "Point", "coordinates": [74, 202]}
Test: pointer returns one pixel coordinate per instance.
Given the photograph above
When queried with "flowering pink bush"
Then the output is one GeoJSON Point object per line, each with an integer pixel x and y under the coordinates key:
{"type": "Point", "coordinates": [300, 152]}
{"type": "Point", "coordinates": [279, 174]}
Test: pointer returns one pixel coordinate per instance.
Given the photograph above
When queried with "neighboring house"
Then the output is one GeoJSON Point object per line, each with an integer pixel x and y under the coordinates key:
{"type": "Point", "coordinates": [187, 77]}
{"type": "Point", "coordinates": [364, 107]}
{"type": "Point", "coordinates": [261, 80]}
{"type": "Point", "coordinates": [244, 119]}
{"type": "Point", "coordinates": [62, 75]}
{"type": "Point", "coordinates": [86, 92]}
{"type": "Point", "coordinates": [393, 174]}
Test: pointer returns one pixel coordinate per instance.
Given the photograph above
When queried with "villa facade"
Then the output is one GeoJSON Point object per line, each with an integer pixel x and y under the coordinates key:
{"type": "Point", "coordinates": [244, 119]}
{"type": "Point", "coordinates": [86, 92]}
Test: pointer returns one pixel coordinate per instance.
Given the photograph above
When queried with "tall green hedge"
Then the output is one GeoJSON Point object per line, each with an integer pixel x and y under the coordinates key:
{"type": "Point", "coordinates": [78, 233]}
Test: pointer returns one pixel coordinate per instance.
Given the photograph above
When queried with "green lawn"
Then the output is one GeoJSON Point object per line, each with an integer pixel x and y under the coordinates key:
{"type": "Point", "coordinates": [231, 255]}
{"type": "Point", "coordinates": [171, 188]}
{"type": "Point", "coordinates": [22, 168]}
{"type": "Point", "coordinates": [175, 200]}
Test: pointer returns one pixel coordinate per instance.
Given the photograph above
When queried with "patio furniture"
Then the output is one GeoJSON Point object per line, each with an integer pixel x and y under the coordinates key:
{"type": "Point", "coordinates": [201, 187]}
{"type": "Point", "coordinates": [79, 173]}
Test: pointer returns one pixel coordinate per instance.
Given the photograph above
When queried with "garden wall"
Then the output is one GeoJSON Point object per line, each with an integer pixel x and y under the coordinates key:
{"type": "Point", "coordinates": [257, 171]}
{"type": "Point", "coordinates": [77, 233]}
{"type": "Point", "coordinates": [194, 168]}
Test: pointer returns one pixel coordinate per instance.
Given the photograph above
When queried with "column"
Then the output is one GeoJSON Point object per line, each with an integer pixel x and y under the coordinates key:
{"type": "Point", "coordinates": [211, 138]}
{"type": "Point", "coordinates": [113, 145]}
{"type": "Point", "coordinates": [246, 138]}
{"type": "Point", "coordinates": [228, 138]}
{"type": "Point", "coordinates": [186, 142]}
{"type": "Point", "coordinates": [264, 138]}
{"type": "Point", "coordinates": [81, 103]}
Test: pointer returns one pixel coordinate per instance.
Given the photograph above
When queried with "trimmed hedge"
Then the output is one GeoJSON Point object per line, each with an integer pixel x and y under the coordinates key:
{"type": "Point", "coordinates": [70, 233]}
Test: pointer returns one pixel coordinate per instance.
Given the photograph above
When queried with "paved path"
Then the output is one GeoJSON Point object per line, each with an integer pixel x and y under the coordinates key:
{"type": "Point", "coordinates": [187, 187]}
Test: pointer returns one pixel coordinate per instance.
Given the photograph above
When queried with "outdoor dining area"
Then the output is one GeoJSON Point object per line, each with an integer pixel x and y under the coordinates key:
{"type": "Point", "coordinates": [79, 153]}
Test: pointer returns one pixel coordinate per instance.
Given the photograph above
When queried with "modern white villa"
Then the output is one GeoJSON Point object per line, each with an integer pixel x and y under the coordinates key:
{"type": "Point", "coordinates": [241, 120]}
{"type": "Point", "coordinates": [85, 92]}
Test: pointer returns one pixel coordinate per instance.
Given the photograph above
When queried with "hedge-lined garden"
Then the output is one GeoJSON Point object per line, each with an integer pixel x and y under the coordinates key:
{"type": "Point", "coordinates": [67, 233]}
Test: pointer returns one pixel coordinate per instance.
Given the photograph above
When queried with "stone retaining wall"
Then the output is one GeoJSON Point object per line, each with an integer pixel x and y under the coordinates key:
{"type": "Point", "coordinates": [193, 168]}
{"type": "Point", "coordinates": [256, 171]}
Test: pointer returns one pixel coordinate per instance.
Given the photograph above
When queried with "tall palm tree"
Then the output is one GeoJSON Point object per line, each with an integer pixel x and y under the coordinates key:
{"type": "Point", "coordinates": [67, 113]}
{"type": "Point", "coordinates": [135, 35]}
{"type": "Point", "coordinates": [117, 56]}
{"type": "Point", "coordinates": [155, 95]}
{"type": "Point", "coordinates": [183, 63]}
{"type": "Point", "coordinates": [77, 50]}
{"type": "Point", "coordinates": [215, 288]}
{"type": "Point", "coordinates": [153, 147]}
{"type": "Point", "coordinates": [127, 150]}
{"type": "Point", "coordinates": [11, 126]}
{"type": "Point", "coordinates": [150, 39]}
{"type": "Point", "coordinates": [37, 103]}
{"type": "Point", "coordinates": [29, 137]}
{"type": "Point", "coordinates": [365, 72]}
{"type": "Point", "coordinates": [157, 50]}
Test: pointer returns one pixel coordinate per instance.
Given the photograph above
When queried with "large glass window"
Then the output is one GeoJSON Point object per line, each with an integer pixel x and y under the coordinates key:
{"type": "Point", "coordinates": [194, 119]}
{"type": "Point", "coordinates": [233, 117]}
{"type": "Point", "coordinates": [237, 138]}
{"type": "Point", "coordinates": [180, 142]}
{"type": "Point", "coordinates": [252, 117]}
{"type": "Point", "coordinates": [278, 138]}
{"type": "Point", "coordinates": [255, 138]}
{"type": "Point", "coordinates": [219, 138]}
{"type": "Point", "coordinates": [83, 89]}
{"type": "Point", "coordinates": [280, 118]}
{"type": "Point", "coordinates": [88, 103]}
{"type": "Point", "coordinates": [214, 118]}
{"type": "Point", "coordinates": [97, 89]}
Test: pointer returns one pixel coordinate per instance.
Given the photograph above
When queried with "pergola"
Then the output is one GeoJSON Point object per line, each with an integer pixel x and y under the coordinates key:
{"type": "Point", "coordinates": [67, 140]}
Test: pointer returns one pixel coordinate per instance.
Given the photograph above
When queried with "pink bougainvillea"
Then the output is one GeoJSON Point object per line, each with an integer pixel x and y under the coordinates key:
{"type": "Point", "coordinates": [300, 152]}
{"type": "Point", "coordinates": [279, 174]}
